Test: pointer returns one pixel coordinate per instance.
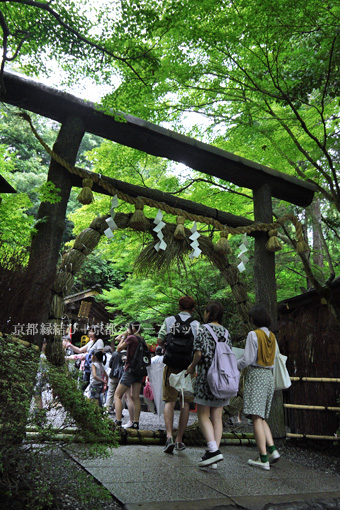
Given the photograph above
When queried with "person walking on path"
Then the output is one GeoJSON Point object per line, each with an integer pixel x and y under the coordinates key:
{"type": "Point", "coordinates": [259, 355]}
{"type": "Point", "coordinates": [209, 408]}
{"type": "Point", "coordinates": [129, 341]}
{"type": "Point", "coordinates": [184, 328]}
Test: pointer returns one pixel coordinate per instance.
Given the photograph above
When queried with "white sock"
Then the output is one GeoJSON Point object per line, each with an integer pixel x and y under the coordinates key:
{"type": "Point", "coordinates": [212, 446]}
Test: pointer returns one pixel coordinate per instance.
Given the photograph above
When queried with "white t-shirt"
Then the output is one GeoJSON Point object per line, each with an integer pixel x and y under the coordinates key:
{"type": "Point", "coordinates": [157, 359]}
{"type": "Point", "coordinates": [96, 345]}
{"type": "Point", "coordinates": [100, 371]}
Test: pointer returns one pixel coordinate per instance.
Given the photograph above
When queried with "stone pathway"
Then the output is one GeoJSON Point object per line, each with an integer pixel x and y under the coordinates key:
{"type": "Point", "coordinates": [144, 477]}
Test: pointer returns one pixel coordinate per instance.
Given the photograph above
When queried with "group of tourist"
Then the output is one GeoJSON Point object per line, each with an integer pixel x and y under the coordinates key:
{"type": "Point", "coordinates": [259, 355]}
{"type": "Point", "coordinates": [122, 383]}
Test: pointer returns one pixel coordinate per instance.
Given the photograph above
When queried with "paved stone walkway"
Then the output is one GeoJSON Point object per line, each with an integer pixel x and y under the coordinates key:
{"type": "Point", "coordinates": [144, 477]}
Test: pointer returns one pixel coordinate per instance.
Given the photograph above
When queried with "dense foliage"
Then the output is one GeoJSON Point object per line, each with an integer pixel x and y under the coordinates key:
{"type": "Point", "coordinates": [257, 79]}
{"type": "Point", "coordinates": [22, 477]}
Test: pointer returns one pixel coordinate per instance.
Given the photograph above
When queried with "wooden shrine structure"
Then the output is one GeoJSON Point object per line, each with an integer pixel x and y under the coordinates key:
{"type": "Point", "coordinates": [77, 117]}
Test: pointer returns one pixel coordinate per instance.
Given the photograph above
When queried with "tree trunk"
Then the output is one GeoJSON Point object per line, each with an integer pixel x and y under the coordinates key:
{"type": "Point", "coordinates": [46, 243]}
{"type": "Point", "coordinates": [317, 240]}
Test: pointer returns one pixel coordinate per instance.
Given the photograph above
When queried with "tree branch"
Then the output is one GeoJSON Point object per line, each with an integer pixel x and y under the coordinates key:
{"type": "Point", "coordinates": [6, 33]}
{"type": "Point", "coordinates": [208, 181]}
{"type": "Point", "coordinates": [46, 7]}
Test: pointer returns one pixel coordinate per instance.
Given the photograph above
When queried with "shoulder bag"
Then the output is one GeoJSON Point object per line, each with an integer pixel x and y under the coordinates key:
{"type": "Point", "coordinates": [281, 376]}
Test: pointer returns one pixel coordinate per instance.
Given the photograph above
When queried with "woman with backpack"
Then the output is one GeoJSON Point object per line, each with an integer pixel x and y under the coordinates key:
{"type": "Point", "coordinates": [133, 374]}
{"type": "Point", "coordinates": [259, 355]}
{"type": "Point", "coordinates": [209, 407]}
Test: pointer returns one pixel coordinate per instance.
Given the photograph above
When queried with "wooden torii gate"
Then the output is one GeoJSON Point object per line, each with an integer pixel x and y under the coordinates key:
{"type": "Point", "coordinates": [77, 116]}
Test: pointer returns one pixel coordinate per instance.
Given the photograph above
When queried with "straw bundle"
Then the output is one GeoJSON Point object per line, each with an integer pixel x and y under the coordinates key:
{"type": "Point", "coordinates": [273, 243]}
{"type": "Point", "coordinates": [85, 197]}
{"type": "Point", "coordinates": [151, 260]}
{"type": "Point", "coordinates": [180, 230]}
{"type": "Point", "coordinates": [63, 282]}
{"type": "Point", "coordinates": [72, 261]}
{"type": "Point", "coordinates": [138, 221]}
{"type": "Point", "coordinates": [222, 246]}
{"type": "Point", "coordinates": [302, 246]}
{"type": "Point", "coordinates": [56, 306]}
{"type": "Point", "coordinates": [99, 224]}
{"type": "Point", "coordinates": [87, 240]}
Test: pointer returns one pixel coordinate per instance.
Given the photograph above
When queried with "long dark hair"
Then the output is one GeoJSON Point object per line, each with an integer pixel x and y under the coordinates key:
{"type": "Point", "coordinates": [134, 326]}
{"type": "Point", "coordinates": [215, 311]}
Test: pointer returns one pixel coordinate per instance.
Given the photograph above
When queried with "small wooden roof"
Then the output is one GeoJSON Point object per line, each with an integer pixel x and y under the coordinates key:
{"type": "Point", "coordinates": [307, 298]}
{"type": "Point", "coordinates": [79, 296]}
{"type": "Point", "coordinates": [147, 137]}
{"type": "Point", "coordinates": [98, 313]}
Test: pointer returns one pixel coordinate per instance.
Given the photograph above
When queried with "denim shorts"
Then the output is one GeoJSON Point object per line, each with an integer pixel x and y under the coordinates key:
{"type": "Point", "coordinates": [128, 378]}
{"type": "Point", "coordinates": [95, 391]}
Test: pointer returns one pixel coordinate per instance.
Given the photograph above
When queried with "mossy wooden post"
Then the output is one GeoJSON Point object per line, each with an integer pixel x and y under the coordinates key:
{"type": "Point", "coordinates": [265, 289]}
{"type": "Point", "coordinates": [46, 243]}
{"type": "Point", "coordinates": [264, 261]}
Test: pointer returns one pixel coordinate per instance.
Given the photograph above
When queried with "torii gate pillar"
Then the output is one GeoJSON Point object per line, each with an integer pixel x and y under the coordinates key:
{"type": "Point", "coordinates": [265, 291]}
{"type": "Point", "coordinates": [264, 260]}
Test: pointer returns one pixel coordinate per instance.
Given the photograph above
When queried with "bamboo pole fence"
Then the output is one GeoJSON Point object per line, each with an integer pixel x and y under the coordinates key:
{"type": "Point", "coordinates": [313, 408]}
{"type": "Point", "coordinates": [315, 379]}
{"type": "Point", "coordinates": [135, 437]}
{"type": "Point", "coordinates": [311, 436]}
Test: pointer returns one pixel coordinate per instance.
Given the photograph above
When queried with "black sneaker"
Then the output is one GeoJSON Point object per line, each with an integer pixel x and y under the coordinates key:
{"type": "Point", "coordinates": [118, 423]}
{"type": "Point", "coordinates": [180, 446]}
{"type": "Point", "coordinates": [169, 445]}
{"type": "Point", "coordinates": [135, 425]}
{"type": "Point", "coordinates": [210, 458]}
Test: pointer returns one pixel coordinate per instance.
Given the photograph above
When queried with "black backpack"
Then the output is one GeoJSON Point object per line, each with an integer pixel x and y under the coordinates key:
{"type": "Point", "coordinates": [88, 360]}
{"type": "Point", "coordinates": [179, 344]}
{"type": "Point", "coordinates": [141, 358]}
{"type": "Point", "coordinates": [116, 365]}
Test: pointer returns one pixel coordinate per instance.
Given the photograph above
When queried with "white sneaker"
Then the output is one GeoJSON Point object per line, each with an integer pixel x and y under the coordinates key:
{"type": "Point", "coordinates": [213, 466]}
{"type": "Point", "coordinates": [128, 425]}
{"type": "Point", "coordinates": [259, 464]}
{"type": "Point", "coordinates": [273, 457]}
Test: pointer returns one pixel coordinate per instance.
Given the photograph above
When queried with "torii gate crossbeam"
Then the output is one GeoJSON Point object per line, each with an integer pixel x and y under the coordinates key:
{"type": "Point", "coordinates": [152, 139]}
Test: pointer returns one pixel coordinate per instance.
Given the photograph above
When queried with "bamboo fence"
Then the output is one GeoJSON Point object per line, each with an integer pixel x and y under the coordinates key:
{"type": "Point", "coordinates": [313, 408]}
{"type": "Point", "coordinates": [136, 437]}
{"type": "Point", "coordinates": [311, 436]}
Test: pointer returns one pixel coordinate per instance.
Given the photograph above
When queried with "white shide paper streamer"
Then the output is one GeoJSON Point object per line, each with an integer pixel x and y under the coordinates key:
{"type": "Point", "coordinates": [161, 245]}
{"type": "Point", "coordinates": [242, 255]}
{"type": "Point", "coordinates": [194, 245]}
{"type": "Point", "coordinates": [110, 221]}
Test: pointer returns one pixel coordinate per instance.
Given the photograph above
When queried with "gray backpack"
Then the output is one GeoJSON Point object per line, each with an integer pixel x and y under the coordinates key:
{"type": "Point", "coordinates": [223, 375]}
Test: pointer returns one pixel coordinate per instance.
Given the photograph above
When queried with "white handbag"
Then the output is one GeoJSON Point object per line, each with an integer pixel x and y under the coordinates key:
{"type": "Point", "coordinates": [182, 382]}
{"type": "Point", "coordinates": [281, 376]}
